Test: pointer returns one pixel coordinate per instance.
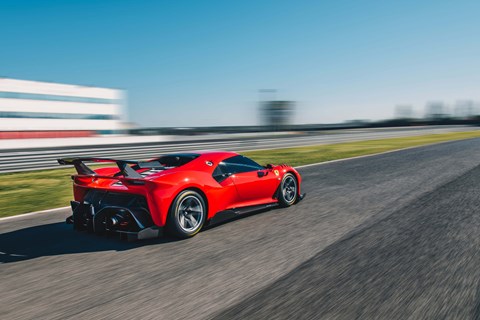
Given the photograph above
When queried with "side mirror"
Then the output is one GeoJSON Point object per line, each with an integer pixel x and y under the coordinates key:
{"type": "Point", "coordinates": [269, 166]}
{"type": "Point", "coordinates": [261, 173]}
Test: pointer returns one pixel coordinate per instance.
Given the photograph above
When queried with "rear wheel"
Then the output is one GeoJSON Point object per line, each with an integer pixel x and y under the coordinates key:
{"type": "Point", "coordinates": [187, 214]}
{"type": "Point", "coordinates": [288, 192]}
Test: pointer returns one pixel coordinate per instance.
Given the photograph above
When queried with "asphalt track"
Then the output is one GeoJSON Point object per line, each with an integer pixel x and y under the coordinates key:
{"type": "Point", "coordinates": [392, 236]}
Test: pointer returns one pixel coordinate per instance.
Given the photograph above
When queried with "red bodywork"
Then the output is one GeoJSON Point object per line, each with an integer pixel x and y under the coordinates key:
{"type": "Point", "coordinates": [160, 188]}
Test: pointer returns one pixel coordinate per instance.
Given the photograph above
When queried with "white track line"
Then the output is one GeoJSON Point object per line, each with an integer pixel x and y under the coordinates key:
{"type": "Point", "coordinates": [302, 166]}
{"type": "Point", "coordinates": [32, 213]}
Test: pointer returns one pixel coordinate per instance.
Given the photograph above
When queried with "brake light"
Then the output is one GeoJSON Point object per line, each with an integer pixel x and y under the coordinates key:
{"type": "Point", "coordinates": [84, 180]}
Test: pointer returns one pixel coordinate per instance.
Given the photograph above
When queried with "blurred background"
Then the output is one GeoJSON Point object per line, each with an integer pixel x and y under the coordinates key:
{"type": "Point", "coordinates": [82, 69]}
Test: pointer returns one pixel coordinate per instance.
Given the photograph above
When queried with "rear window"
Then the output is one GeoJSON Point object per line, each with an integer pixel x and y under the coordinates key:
{"type": "Point", "coordinates": [239, 164]}
{"type": "Point", "coordinates": [176, 160]}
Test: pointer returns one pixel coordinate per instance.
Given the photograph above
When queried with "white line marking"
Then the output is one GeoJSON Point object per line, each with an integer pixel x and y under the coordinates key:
{"type": "Point", "coordinates": [32, 213]}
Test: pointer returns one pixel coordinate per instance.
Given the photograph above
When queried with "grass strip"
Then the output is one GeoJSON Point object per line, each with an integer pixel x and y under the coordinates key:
{"type": "Point", "coordinates": [39, 190]}
{"type": "Point", "coordinates": [298, 156]}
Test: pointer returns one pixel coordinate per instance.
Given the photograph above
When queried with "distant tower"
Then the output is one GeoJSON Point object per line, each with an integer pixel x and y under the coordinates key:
{"type": "Point", "coordinates": [275, 114]}
{"type": "Point", "coordinates": [465, 109]}
{"type": "Point", "coordinates": [436, 110]}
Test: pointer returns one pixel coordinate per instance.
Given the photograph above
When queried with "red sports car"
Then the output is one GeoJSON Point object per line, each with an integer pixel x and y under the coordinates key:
{"type": "Point", "coordinates": [177, 192]}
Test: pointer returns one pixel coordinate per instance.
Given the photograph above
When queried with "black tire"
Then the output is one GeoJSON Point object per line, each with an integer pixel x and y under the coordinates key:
{"type": "Point", "coordinates": [288, 190]}
{"type": "Point", "coordinates": [187, 214]}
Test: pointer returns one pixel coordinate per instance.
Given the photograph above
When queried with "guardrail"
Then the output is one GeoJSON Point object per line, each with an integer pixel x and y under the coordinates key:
{"type": "Point", "coordinates": [45, 158]}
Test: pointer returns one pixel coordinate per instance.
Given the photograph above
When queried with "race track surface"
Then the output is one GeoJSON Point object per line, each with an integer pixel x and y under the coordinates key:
{"type": "Point", "coordinates": [392, 236]}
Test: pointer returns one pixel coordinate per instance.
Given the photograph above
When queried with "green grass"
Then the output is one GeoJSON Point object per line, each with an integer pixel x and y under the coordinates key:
{"type": "Point", "coordinates": [35, 190]}
{"type": "Point", "coordinates": [320, 153]}
{"type": "Point", "coordinates": [39, 190]}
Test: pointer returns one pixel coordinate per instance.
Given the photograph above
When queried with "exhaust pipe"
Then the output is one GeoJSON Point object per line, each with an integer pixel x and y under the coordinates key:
{"type": "Point", "coordinates": [132, 224]}
{"type": "Point", "coordinates": [119, 221]}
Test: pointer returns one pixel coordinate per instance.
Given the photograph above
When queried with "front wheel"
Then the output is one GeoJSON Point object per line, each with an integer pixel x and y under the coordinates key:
{"type": "Point", "coordinates": [288, 192]}
{"type": "Point", "coordinates": [187, 214]}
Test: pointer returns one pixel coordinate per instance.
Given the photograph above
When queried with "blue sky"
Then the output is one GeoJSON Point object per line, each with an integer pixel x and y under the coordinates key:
{"type": "Point", "coordinates": [202, 63]}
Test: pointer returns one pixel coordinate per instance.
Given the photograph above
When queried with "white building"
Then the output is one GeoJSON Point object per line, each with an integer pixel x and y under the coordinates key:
{"type": "Point", "coordinates": [33, 109]}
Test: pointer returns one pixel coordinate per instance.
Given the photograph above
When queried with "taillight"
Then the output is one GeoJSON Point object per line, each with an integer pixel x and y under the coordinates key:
{"type": "Point", "coordinates": [84, 180]}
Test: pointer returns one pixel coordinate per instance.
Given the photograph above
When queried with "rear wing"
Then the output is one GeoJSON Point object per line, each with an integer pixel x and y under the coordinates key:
{"type": "Point", "coordinates": [124, 166]}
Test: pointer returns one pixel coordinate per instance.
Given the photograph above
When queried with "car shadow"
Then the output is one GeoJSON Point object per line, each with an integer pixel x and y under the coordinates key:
{"type": "Point", "coordinates": [224, 218]}
{"type": "Point", "coordinates": [59, 239]}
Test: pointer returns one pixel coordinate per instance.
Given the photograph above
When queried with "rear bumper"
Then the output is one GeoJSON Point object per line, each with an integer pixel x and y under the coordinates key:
{"type": "Point", "coordinates": [129, 223]}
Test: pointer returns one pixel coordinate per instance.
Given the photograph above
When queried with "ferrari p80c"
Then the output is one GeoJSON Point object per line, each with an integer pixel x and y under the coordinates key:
{"type": "Point", "coordinates": [178, 193]}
